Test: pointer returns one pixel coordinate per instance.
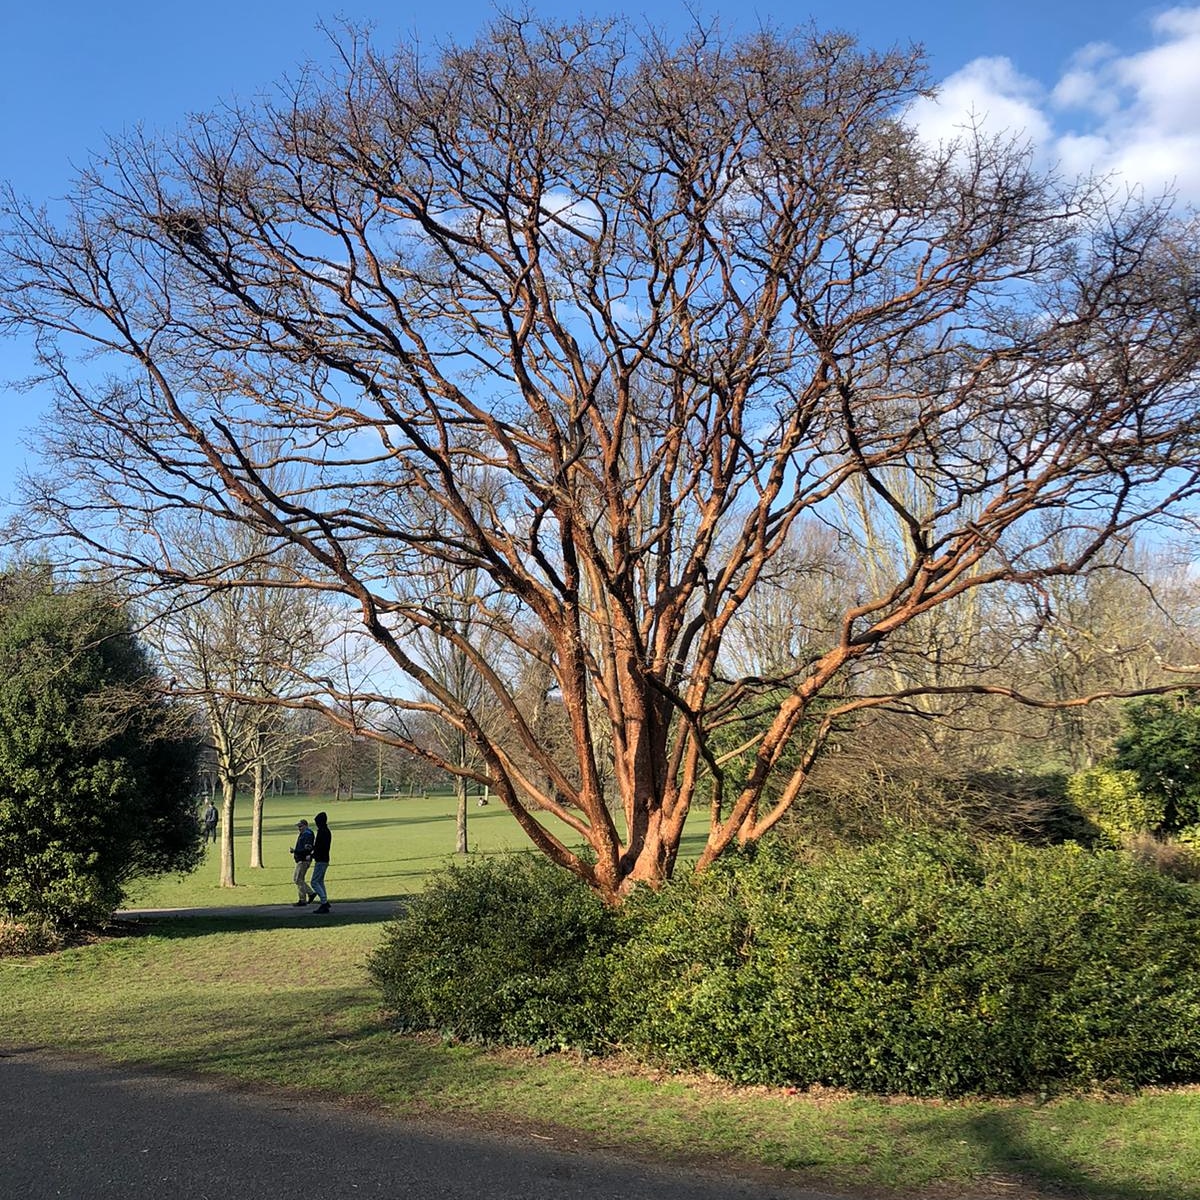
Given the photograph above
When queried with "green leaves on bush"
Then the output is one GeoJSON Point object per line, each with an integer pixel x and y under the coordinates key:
{"type": "Point", "coordinates": [1113, 802]}
{"type": "Point", "coordinates": [96, 768]}
{"type": "Point", "coordinates": [1161, 746]}
{"type": "Point", "coordinates": [507, 952]}
{"type": "Point", "coordinates": [926, 964]}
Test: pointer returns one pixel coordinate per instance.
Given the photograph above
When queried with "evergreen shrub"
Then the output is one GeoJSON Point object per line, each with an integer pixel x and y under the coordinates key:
{"type": "Point", "coordinates": [1114, 803]}
{"type": "Point", "coordinates": [507, 951]}
{"type": "Point", "coordinates": [97, 769]}
{"type": "Point", "coordinates": [927, 965]}
{"type": "Point", "coordinates": [924, 964]}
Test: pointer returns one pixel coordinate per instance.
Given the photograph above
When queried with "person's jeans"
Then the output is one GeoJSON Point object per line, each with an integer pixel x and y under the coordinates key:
{"type": "Point", "coordinates": [318, 881]}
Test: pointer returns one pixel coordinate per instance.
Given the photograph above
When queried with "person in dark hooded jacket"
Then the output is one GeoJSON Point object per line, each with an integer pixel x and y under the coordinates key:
{"type": "Point", "coordinates": [320, 861]}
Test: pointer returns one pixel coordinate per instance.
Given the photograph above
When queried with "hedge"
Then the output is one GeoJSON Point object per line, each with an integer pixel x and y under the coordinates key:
{"type": "Point", "coordinates": [925, 964]}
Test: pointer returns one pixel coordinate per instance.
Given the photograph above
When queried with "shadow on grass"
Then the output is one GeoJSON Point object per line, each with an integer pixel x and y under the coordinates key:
{"type": "Point", "coordinates": [337, 822]}
{"type": "Point", "coordinates": [1036, 1168]}
{"type": "Point", "coordinates": [173, 928]}
{"type": "Point", "coordinates": [349, 1051]}
{"type": "Point", "coordinates": [339, 819]}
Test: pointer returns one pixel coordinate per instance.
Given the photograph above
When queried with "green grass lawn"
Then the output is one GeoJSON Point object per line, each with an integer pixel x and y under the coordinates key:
{"type": "Point", "coordinates": [239, 994]}
{"type": "Point", "coordinates": [382, 850]}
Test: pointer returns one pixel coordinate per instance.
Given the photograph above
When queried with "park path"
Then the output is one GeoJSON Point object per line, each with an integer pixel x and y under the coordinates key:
{"type": "Point", "coordinates": [87, 1130]}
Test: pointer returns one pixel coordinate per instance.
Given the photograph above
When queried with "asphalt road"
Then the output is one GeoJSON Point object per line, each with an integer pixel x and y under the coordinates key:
{"type": "Point", "coordinates": [94, 1132]}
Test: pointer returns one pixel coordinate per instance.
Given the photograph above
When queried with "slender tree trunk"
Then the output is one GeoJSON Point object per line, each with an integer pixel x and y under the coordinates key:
{"type": "Point", "coordinates": [229, 785]}
{"type": "Point", "coordinates": [460, 792]}
{"type": "Point", "coordinates": [460, 823]}
{"type": "Point", "coordinates": [256, 826]}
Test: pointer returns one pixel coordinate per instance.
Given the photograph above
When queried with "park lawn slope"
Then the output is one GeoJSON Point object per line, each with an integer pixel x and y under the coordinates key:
{"type": "Point", "coordinates": [239, 997]}
{"type": "Point", "coordinates": [382, 850]}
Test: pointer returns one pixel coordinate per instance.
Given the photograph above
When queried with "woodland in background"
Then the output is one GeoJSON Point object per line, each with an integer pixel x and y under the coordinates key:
{"type": "Point", "coordinates": [968, 761]}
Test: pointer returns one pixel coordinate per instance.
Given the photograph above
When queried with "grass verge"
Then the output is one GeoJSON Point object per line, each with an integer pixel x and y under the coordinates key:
{"type": "Point", "coordinates": [239, 997]}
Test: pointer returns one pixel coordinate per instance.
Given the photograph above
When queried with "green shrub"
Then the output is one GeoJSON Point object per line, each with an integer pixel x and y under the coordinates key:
{"type": "Point", "coordinates": [509, 951]}
{"type": "Point", "coordinates": [96, 768]}
{"type": "Point", "coordinates": [1161, 745]}
{"type": "Point", "coordinates": [924, 965]}
{"type": "Point", "coordinates": [1114, 802]}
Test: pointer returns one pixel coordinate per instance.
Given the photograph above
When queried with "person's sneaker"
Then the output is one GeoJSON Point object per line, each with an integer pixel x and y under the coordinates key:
{"type": "Point", "coordinates": [321, 908]}
{"type": "Point", "coordinates": [300, 904]}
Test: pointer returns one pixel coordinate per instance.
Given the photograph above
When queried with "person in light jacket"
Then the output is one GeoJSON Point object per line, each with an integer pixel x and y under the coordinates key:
{"type": "Point", "coordinates": [302, 853]}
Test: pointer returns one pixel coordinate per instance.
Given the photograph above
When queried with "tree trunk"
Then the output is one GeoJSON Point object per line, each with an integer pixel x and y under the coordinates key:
{"type": "Point", "coordinates": [460, 823]}
{"type": "Point", "coordinates": [256, 826]}
{"type": "Point", "coordinates": [229, 786]}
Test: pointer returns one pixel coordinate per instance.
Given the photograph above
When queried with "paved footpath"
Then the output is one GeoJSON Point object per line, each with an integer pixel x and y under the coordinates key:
{"type": "Point", "coordinates": [94, 1132]}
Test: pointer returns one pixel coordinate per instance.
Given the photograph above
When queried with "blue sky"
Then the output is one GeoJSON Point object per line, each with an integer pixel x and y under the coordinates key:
{"type": "Point", "coordinates": [1103, 83]}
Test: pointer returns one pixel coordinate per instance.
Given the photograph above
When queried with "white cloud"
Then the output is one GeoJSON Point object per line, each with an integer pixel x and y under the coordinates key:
{"type": "Point", "coordinates": [1083, 86]}
{"type": "Point", "coordinates": [1078, 153]}
{"type": "Point", "coordinates": [1166, 79]}
{"type": "Point", "coordinates": [989, 94]}
{"type": "Point", "coordinates": [1136, 116]}
{"type": "Point", "coordinates": [565, 211]}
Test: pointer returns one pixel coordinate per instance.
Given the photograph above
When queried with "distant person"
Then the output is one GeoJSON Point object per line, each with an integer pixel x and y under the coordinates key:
{"type": "Point", "coordinates": [302, 852]}
{"type": "Point", "coordinates": [320, 857]}
{"type": "Point", "coordinates": [210, 822]}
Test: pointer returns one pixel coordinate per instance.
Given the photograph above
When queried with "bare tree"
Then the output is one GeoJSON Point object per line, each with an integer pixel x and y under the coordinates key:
{"type": "Point", "coordinates": [1118, 625]}
{"type": "Point", "coordinates": [335, 757]}
{"type": "Point", "coordinates": [455, 637]}
{"type": "Point", "coordinates": [237, 650]}
{"type": "Point", "coordinates": [622, 314]}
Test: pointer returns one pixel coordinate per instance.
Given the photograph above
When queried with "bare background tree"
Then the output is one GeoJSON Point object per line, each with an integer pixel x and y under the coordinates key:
{"type": "Point", "coordinates": [626, 316]}
{"type": "Point", "coordinates": [237, 651]}
{"type": "Point", "coordinates": [458, 647]}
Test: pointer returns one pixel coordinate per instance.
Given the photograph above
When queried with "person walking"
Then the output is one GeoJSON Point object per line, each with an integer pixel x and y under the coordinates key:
{"type": "Point", "coordinates": [210, 823]}
{"type": "Point", "coordinates": [302, 853]}
{"type": "Point", "coordinates": [320, 857]}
